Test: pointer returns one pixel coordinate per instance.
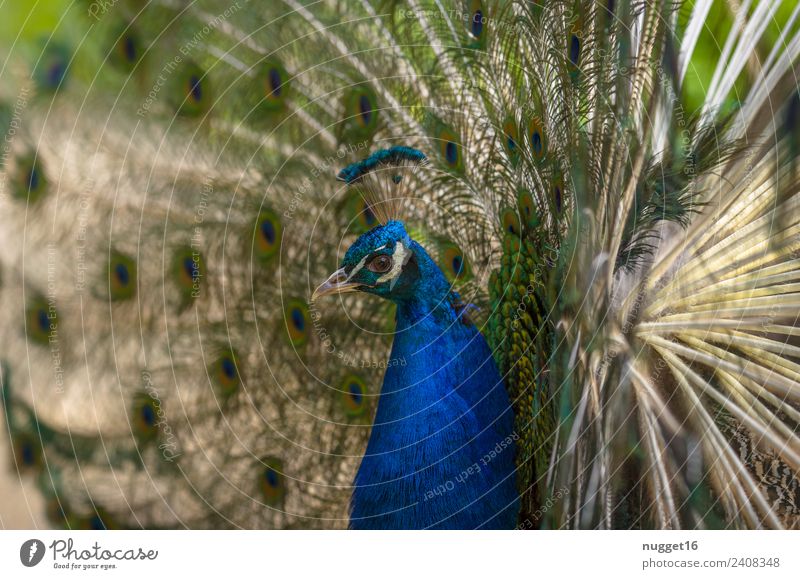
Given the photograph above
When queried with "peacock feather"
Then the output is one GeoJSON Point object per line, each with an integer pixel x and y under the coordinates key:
{"type": "Point", "coordinates": [423, 264]}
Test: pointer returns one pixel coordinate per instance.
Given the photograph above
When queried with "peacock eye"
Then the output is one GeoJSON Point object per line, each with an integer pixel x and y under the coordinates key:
{"type": "Point", "coordinates": [380, 264]}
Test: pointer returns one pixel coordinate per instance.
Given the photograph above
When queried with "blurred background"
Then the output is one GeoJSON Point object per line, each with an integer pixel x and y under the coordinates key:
{"type": "Point", "coordinates": [21, 505]}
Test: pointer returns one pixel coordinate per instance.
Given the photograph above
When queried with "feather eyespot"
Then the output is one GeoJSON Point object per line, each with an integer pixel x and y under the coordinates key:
{"type": "Point", "coordinates": [225, 372]}
{"type": "Point", "coordinates": [192, 97]}
{"type": "Point", "coordinates": [127, 52]}
{"type": "Point", "coordinates": [121, 277]}
{"type": "Point", "coordinates": [361, 107]}
{"type": "Point", "coordinates": [29, 181]}
{"type": "Point", "coordinates": [511, 135]}
{"type": "Point", "coordinates": [276, 85]}
{"type": "Point", "coordinates": [267, 235]}
{"type": "Point", "coordinates": [454, 263]}
{"type": "Point", "coordinates": [51, 70]}
{"type": "Point", "coordinates": [297, 322]}
{"type": "Point", "coordinates": [476, 20]}
{"type": "Point", "coordinates": [447, 142]}
{"type": "Point", "coordinates": [188, 271]}
{"type": "Point", "coordinates": [527, 209]}
{"type": "Point", "coordinates": [144, 416]}
{"type": "Point", "coordinates": [27, 452]}
{"type": "Point", "coordinates": [537, 139]}
{"type": "Point", "coordinates": [450, 149]}
{"type": "Point", "coordinates": [510, 220]}
{"type": "Point", "coordinates": [353, 395]}
{"type": "Point", "coordinates": [271, 481]}
{"type": "Point", "coordinates": [41, 320]}
{"type": "Point", "coordinates": [380, 263]}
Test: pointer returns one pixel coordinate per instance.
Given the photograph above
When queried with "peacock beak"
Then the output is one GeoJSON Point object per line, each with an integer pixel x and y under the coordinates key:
{"type": "Point", "coordinates": [336, 284]}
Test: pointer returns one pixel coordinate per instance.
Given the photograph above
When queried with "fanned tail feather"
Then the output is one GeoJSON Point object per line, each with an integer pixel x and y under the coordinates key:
{"type": "Point", "coordinates": [172, 203]}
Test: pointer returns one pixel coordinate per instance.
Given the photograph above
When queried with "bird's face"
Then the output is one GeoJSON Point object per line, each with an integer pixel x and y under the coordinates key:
{"type": "Point", "coordinates": [380, 262]}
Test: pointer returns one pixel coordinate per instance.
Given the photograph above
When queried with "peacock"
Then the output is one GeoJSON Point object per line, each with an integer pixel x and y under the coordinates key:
{"type": "Point", "coordinates": [418, 264]}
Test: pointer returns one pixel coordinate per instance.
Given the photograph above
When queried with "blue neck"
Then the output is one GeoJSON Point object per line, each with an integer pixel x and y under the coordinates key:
{"type": "Point", "coordinates": [430, 297]}
{"type": "Point", "coordinates": [442, 408]}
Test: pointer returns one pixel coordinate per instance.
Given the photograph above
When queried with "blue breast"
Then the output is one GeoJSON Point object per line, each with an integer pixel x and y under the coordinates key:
{"type": "Point", "coordinates": [441, 452]}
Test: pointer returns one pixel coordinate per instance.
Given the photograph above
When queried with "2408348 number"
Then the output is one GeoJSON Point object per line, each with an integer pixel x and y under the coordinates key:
{"type": "Point", "coordinates": [756, 562]}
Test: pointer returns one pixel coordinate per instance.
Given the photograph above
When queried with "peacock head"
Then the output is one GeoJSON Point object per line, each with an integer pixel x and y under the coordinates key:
{"type": "Point", "coordinates": [385, 261]}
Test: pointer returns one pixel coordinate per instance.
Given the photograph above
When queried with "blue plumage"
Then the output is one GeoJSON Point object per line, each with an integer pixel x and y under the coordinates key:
{"type": "Point", "coordinates": [441, 452]}
{"type": "Point", "coordinates": [393, 155]}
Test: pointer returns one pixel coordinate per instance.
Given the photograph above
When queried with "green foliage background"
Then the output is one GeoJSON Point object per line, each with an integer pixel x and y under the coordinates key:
{"type": "Point", "coordinates": [26, 23]}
